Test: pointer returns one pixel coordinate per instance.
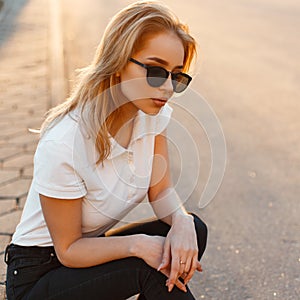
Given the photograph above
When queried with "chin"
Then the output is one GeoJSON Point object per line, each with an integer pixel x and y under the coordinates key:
{"type": "Point", "coordinates": [148, 106]}
{"type": "Point", "coordinates": [150, 111]}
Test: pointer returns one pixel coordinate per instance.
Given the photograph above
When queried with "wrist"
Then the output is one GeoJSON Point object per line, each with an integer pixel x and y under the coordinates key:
{"type": "Point", "coordinates": [135, 245]}
{"type": "Point", "coordinates": [181, 216]}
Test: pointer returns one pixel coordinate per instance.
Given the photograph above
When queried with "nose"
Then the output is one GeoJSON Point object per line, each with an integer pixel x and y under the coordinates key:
{"type": "Point", "coordinates": [167, 86]}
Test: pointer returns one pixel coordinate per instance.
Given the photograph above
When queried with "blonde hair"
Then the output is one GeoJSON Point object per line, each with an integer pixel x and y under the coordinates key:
{"type": "Point", "coordinates": [96, 85]}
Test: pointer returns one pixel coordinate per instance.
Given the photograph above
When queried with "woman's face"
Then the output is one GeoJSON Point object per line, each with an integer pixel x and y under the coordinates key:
{"type": "Point", "coordinates": [163, 49]}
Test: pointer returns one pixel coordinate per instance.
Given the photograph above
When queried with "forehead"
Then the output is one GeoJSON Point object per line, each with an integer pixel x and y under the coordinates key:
{"type": "Point", "coordinates": [166, 46]}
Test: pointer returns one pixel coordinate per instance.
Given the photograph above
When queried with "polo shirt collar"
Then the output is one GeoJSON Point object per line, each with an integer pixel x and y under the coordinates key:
{"type": "Point", "coordinates": [143, 125]}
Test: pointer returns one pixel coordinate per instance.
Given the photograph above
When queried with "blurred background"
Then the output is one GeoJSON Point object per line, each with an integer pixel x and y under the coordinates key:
{"type": "Point", "coordinates": [248, 71]}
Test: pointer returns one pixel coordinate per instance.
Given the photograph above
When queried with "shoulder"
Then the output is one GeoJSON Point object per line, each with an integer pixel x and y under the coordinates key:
{"type": "Point", "coordinates": [63, 129]}
{"type": "Point", "coordinates": [66, 138]}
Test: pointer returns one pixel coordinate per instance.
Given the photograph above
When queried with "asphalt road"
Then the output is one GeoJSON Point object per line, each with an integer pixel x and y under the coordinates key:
{"type": "Point", "coordinates": [249, 72]}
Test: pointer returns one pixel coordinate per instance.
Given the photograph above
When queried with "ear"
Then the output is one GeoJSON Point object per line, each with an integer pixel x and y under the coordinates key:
{"type": "Point", "coordinates": [118, 74]}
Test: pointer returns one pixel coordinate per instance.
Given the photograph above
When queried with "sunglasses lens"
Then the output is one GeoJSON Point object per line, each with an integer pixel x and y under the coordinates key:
{"type": "Point", "coordinates": [180, 82]}
{"type": "Point", "coordinates": [156, 76]}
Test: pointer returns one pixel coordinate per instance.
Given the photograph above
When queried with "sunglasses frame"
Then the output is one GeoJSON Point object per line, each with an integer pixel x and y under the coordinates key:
{"type": "Point", "coordinates": [173, 76]}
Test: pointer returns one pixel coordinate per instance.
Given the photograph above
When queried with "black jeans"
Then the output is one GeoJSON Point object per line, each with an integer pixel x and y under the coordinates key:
{"type": "Point", "coordinates": [36, 273]}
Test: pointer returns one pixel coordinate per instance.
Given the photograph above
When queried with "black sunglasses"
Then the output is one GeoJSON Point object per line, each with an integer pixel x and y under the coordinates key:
{"type": "Point", "coordinates": [157, 76]}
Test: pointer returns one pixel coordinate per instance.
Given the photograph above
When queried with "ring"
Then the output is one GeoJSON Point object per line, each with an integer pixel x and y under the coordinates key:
{"type": "Point", "coordinates": [182, 263]}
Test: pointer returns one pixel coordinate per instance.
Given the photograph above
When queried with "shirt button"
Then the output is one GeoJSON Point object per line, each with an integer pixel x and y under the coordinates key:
{"type": "Point", "coordinates": [15, 272]}
{"type": "Point", "coordinates": [130, 157]}
{"type": "Point", "coordinates": [52, 254]}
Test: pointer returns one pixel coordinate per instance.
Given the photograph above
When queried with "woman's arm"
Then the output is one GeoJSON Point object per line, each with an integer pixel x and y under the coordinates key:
{"type": "Point", "coordinates": [162, 196]}
{"type": "Point", "coordinates": [63, 218]}
{"type": "Point", "coordinates": [180, 257]}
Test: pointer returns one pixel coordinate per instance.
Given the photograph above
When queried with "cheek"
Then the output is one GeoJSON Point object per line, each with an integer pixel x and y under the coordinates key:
{"type": "Point", "coordinates": [134, 86]}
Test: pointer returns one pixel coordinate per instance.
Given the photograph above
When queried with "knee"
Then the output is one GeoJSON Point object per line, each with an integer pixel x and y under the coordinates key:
{"type": "Point", "coordinates": [200, 226]}
{"type": "Point", "coordinates": [202, 233]}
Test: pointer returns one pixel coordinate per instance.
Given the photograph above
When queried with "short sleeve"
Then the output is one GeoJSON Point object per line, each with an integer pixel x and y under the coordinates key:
{"type": "Point", "coordinates": [163, 118]}
{"type": "Point", "coordinates": [54, 172]}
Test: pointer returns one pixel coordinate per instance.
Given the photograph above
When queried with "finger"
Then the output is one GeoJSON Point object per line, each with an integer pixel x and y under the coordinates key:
{"type": "Point", "coordinates": [187, 265]}
{"type": "Point", "coordinates": [179, 284]}
{"type": "Point", "coordinates": [183, 275]}
{"type": "Point", "coordinates": [191, 271]}
{"type": "Point", "coordinates": [174, 272]}
{"type": "Point", "coordinates": [166, 256]}
{"type": "Point", "coordinates": [182, 266]}
{"type": "Point", "coordinates": [199, 267]}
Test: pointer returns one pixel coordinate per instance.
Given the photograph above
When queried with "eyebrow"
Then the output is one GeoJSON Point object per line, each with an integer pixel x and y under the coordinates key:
{"type": "Point", "coordinates": [163, 62]}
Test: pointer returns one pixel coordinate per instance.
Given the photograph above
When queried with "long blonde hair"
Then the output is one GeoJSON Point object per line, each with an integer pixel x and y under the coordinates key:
{"type": "Point", "coordinates": [95, 87]}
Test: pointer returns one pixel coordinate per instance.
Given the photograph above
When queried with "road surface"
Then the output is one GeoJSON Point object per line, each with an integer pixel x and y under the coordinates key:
{"type": "Point", "coordinates": [249, 72]}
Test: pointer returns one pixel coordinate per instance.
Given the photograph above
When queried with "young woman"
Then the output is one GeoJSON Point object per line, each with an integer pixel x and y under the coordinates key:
{"type": "Point", "coordinates": [100, 153]}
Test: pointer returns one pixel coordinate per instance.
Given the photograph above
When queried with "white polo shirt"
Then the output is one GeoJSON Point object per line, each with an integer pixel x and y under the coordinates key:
{"type": "Point", "coordinates": [65, 168]}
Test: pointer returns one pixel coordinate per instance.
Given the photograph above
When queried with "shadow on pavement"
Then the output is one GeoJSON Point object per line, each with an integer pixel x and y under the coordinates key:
{"type": "Point", "coordinates": [9, 11]}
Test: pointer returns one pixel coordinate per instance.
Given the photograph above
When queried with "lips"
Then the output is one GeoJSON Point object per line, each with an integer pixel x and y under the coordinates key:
{"type": "Point", "coordinates": [159, 102]}
{"type": "Point", "coordinates": [160, 99]}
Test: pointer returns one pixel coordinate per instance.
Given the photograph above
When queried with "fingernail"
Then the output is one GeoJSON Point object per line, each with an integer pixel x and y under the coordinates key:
{"type": "Point", "coordinates": [170, 287]}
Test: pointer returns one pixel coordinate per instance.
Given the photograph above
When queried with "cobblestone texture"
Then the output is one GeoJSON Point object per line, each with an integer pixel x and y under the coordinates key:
{"type": "Point", "coordinates": [24, 100]}
{"type": "Point", "coordinates": [24, 85]}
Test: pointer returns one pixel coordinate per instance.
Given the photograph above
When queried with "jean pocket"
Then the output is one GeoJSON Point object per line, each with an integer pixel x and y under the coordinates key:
{"type": "Point", "coordinates": [29, 270]}
{"type": "Point", "coordinates": [24, 272]}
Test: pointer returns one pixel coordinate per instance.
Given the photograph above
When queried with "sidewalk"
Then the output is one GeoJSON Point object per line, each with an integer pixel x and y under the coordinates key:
{"type": "Point", "coordinates": [29, 82]}
{"type": "Point", "coordinates": [24, 85]}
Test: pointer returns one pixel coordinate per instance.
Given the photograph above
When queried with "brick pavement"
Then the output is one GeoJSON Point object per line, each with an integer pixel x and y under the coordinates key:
{"type": "Point", "coordinates": [24, 86]}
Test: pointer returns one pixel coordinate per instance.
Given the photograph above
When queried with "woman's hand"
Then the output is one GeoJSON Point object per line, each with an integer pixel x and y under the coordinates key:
{"type": "Point", "coordinates": [150, 249]}
{"type": "Point", "coordinates": [180, 254]}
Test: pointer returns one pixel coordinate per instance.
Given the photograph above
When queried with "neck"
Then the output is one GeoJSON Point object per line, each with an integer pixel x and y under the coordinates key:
{"type": "Point", "coordinates": [124, 119]}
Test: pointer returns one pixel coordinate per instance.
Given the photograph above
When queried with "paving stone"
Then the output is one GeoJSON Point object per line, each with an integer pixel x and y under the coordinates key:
{"type": "Point", "coordinates": [28, 172]}
{"type": "Point", "coordinates": [18, 162]}
{"type": "Point", "coordinates": [3, 243]}
{"type": "Point", "coordinates": [7, 150]}
{"type": "Point", "coordinates": [23, 139]}
{"type": "Point", "coordinates": [22, 105]}
{"type": "Point", "coordinates": [4, 111]}
{"type": "Point", "coordinates": [7, 144]}
{"type": "Point", "coordinates": [6, 206]}
{"type": "Point", "coordinates": [11, 131]}
{"type": "Point", "coordinates": [30, 108]}
{"type": "Point", "coordinates": [9, 222]}
{"type": "Point", "coordinates": [2, 292]}
{"type": "Point", "coordinates": [23, 124]}
{"type": "Point", "coordinates": [4, 240]}
{"type": "Point", "coordinates": [24, 100]}
{"type": "Point", "coordinates": [30, 148]}
{"type": "Point", "coordinates": [8, 175]}
{"type": "Point", "coordinates": [18, 188]}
